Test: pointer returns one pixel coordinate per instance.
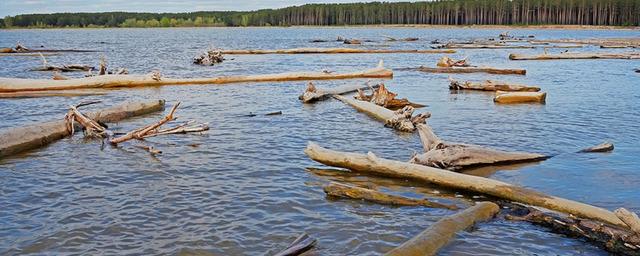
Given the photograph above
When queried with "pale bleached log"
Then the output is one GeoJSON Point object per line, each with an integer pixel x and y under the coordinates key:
{"type": "Point", "coordinates": [430, 241]}
{"type": "Point", "coordinates": [332, 51]}
{"type": "Point", "coordinates": [603, 147]}
{"type": "Point", "coordinates": [486, 46]}
{"type": "Point", "coordinates": [567, 55]}
{"type": "Point", "coordinates": [347, 191]}
{"type": "Point", "coordinates": [490, 85]}
{"type": "Point", "coordinates": [520, 97]}
{"type": "Point", "coordinates": [107, 81]}
{"type": "Point", "coordinates": [369, 163]}
{"type": "Point", "coordinates": [402, 119]}
{"type": "Point", "coordinates": [496, 71]}
{"type": "Point", "coordinates": [38, 94]}
{"type": "Point", "coordinates": [630, 218]}
{"type": "Point", "coordinates": [15, 140]}
{"type": "Point", "coordinates": [144, 131]}
{"type": "Point", "coordinates": [312, 93]}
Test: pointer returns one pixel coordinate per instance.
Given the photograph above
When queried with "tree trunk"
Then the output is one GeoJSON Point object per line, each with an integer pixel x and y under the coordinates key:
{"type": "Point", "coordinates": [520, 97]}
{"type": "Point", "coordinates": [496, 71]}
{"type": "Point", "coordinates": [312, 94]}
{"type": "Point", "coordinates": [490, 85]}
{"type": "Point", "coordinates": [330, 51]}
{"type": "Point", "coordinates": [563, 56]}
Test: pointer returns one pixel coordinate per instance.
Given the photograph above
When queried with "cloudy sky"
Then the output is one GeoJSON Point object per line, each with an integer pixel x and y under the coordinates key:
{"type": "Point", "coordinates": [13, 7]}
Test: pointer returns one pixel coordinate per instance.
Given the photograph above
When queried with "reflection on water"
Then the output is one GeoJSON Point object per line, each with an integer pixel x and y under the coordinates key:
{"type": "Point", "coordinates": [246, 188]}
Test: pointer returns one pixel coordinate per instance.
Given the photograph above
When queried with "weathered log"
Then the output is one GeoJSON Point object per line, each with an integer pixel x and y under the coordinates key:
{"type": "Point", "coordinates": [614, 239]}
{"type": "Point", "coordinates": [302, 244]}
{"type": "Point", "coordinates": [567, 55]}
{"type": "Point", "coordinates": [497, 71]}
{"type": "Point", "coordinates": [490, 85]}
{"type": "Point", "coordinates": [407, 39]}
{"type": "Point", "coordinates": [631, 219]}
{"type": "Point", "coordinates": [27, 54]}
{"type": "Point", "coordinates": [187, 127]}
{"type": "Point", "coordinates": [401, 120]}
{"type": "Point", "coordinates": [430, 241]}
{"type": "Point", "coordinates": [347, 191]}
{"type": "Point", "coordinates": [604, 147]}
{"type": "Point", "coordinates": [352, 41]}
{"type": "Point", "coordinates": [15, 140]}
{"type": "Point", "coordinates": [209, 58]}
{"type": "Point", "coordinates": [486, 46]}
{"type": "Point", "coordinates": [64, 68]}
{"type": "Point", "coordinates": [385, 98]}
{"type": "Point", "coordinates": [370, 163]}
{"type": "Point", "coordinates": [628, 41]}
{"type": "Point", "coordinates": [312, 94]}
{"type": "Point", "coordinates": [91, 127]}
{"type": "Point", "coordinates": [455, 156]}
{"type": "Point", "coordinates": [145, 131]}
{"type": "Point", "coordinates": [107, 81]}
{"type": "Point", "coordinates": [331, 51]}
{"type": "Point", "coordinates": [447, 62]}
{"type": "Point", "coordinates": [520, 97]}
{"type": "Point", "coordinates": [37, 94]}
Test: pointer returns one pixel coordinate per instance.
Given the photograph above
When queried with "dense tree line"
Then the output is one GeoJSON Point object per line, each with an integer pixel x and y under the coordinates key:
{"type": "Point", "coordinates": [446, 12]}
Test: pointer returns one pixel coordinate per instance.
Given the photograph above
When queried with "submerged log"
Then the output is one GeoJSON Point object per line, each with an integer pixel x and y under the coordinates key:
{"type": "Point", "coordinates": [385, 98]}
{"type": "Point", "coordinates": [454, 156]}
{"type": "Point", "coordinates": [485, 46]}
{"type": "Point", "coordinates": [520, 97]}
{"type": "Point", "coordinates": [347, 191]}
{"type": "Point", "coordinates": [567, 55]}
{"type": "Point", "coordinates": [497, 71]}
{"type": "Point", "coordinates": [15, 140]}
{"type": "Point", "coordinates": [490, 85]}
{"type": "Point", "coordinates": [401, 120]}
{"type": "Point", "coordinates": [312, 94]}
{"type": "Point", "coordinates": [302, 244]}
{"type": "Point", "coordinates": [407, 39]}
{"type": "Point", "coordinates": [352, 41]}
{"type": "Point", "coordinates": [430, 241]}
{"type": "Point", "coordinates": [331, 51]}
{"type": "Point", "coordinates": [155, 79]}
{"type": "Point", "coordinates": [604, 147]}
{"type": "Point", "coordinates": [209, 58]}
{"type": "Point", "coordinates": [369, 163]}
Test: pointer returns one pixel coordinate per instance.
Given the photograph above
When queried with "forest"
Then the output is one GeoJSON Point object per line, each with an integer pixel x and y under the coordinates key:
{"type": "Point", "coordinates": [438, 12]}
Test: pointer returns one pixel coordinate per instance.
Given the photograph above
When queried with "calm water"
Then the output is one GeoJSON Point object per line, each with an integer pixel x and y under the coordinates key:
{"type": "Point", "coordinates": [246, 190]}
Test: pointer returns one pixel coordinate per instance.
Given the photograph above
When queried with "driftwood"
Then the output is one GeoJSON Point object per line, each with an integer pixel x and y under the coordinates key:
{"type": "Point", "coordinates": [209, 58]}
{"type": "Point", "coordinates": [302, 244]}
{"type": "Point", "coordinates": [631, 219]}
{"type": "Point", "coordinates": [401, 120]}
{"type": "Point", "coordinates": [331, 51]}
{"type": "Point", "coordinates": [428, 242]}
{"type": "Point", "coordinates": [147, 130]}
{"type": "Point", "coordinates": [604, 147]}
{"type": "Point", "coordinates": [447, 62]}
{"type": "Point", "coordinates": [484, 46]}
{"type": "Point", "coordinates": [91, 127]}
{"type": "Point", "coordinates": [62, 68]}
{"type": "Point", "coordinates": [629, 41]}
{"type": "Point", "coordinates": [520, 97]}
{"type": "Point", "coordinates": [383, 97]}
{"type": "Point", "coordinates": [614, 239]}
{"type": "Point", "coordinates": [567, 55]}
{"type": "Point", "coordinates": [335, 189]}
{"type": "Point", "coordinates": [37, 94]}
{"type": "Point", "coordinates": [312, 94]}
{"type": "Point", "coordinates": [497, 71]}
{"type": "Point", "coordinates": [455, 156]}
{"type": "Point", "coordinates": [352, 41]}
{"type": "Point", "coordinates": [155, 79]}
{"type": "Point", "coordinates": [276, 113]}
{"type": "Point", "coordinates": [490, 85]}
{"type": "Point", "coordinates": [19, 48]}
{"type": "Point", "coordinates": [369, 163]}
{"type": "Point", "coordinates": [2, 54]}
{"type": "Point", "coordinates": [15, 140]}
{"type": "Point", "coordinates": [407, 39]}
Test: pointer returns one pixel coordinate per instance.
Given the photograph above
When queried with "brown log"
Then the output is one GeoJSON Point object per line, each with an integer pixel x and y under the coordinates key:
{"type": "Point", "coordinates": [312, 94]}
{"type": "Point", "coordinates": [430, 241]}
{"type": "Point", "coordinates": [370, 163]}
{"type": "Point", "coordinates": [497, 71]}
{"type": "Point", "coordinates": [91, 127]}
{"type": "Point", "coordinates": [567, 55]}
{"type": "Point", "coordinates": [107, 81]}
{"type": "Point", "coordinates": [490, 85]}
{"type": "Point", "coordinates": [347, 191]}
{"type": "Point", "coordinates": [15, 140]}
{"type": "Point", "coordinates": [402, 119]}
{"type": "Point", "coordinates": [631, 219]}
{"type": "Point", "coordinates": [604, 147]}
{"type": "Point", "coordinates": [144, 131]}
{"type": "Point", "coordinates": [331, 51]}
{"type": "Point", "coordinates": [520, 97]}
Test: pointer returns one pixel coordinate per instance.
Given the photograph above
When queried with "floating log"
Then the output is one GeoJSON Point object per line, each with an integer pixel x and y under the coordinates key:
{"type": "Point", "coordinates": [302, 244]}
{"type": "Point", "coordinates": [347, 191]}
{"type": "Point", "coordinates": [331, 51]}
{"type": "Point", "coordinates": [64, 68]}
{"type": "Point", "coordinates": [631, 219]}
{"type": "Point", "coordinates": [148, 130]}
{"type": "Point", "coordinates": [352, 41]}
{"type": "Point", "coordinates": [430, 241]}
{"type": "Point", "coordinates": [155, 79]}
{"type": "Point", "coordinates": [209, 58]}
{"type": "Point", "coordinates": [520, 97]}
{"type": "Point", "coordinates": [27, 54]}
{"type": "Point", "coordinates": [490, 85]}
{"type": "Point", "coordinates": [614, 239]}
{"type": "Point", "coordinates": [447, 62]}
{"type": "Point", "coordinates": [15, 140]}
{"type": "Point", "coordinates": [604, 147]}
{"type": "Point", "coordinates": [401, 120]}
{"type": "Point", "coordinates": [407, 39]}
{"type": "Point", "coordinates": [497, 71]}
{"type": "Point", "coordinates": [383, 97]}
{"type": "Point", "coordinates": [370, 163]}
{"type": "Point", "coordinates": [567, 55]}
{"type": "Point", "coordinates": [38, 94]}
{"type": "Point", "coordinates": [485, 46]}
{"type": "Point", "coordinates": [454, 156]}
{"type": "Point", "coordinates": [312, 94]}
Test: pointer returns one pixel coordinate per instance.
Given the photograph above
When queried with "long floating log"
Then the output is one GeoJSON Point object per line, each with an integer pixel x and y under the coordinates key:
{"type": "Point", "coordinates": [312, 94]}
{"type": "Point", "coordinates": [331, 51]}
{"type": "Point", "coordinates": [369, 108]}
{"type": "Point", "coordinates": [430, 241]}
{"type": "Point", "coordinates": [603, 147]}
{"type": "Point", "coordinates": [490, 85]}
{"type": "Point", "coordinates": [401, 120]}
{"type": "Point", "coordinates": [38, 94]}
{"type": "Point", "coordinates": [346, 191]}
{"type": "Point", "coordinates": [107, 81]}
{"type": "Point", "coordinates": [497, 71]}
{"type": "Point", "coordinates": [370, 163]}
{"type": "Point", "coordinates": [486, 46]}
{"type": "Point", "coordinates": [15, 140]}
{"type": "Point", "coordinates": [520, 97]}
{"type": "Point", "coordinates": [27, 54]}
{"type": "Point", "coordinates": [566, 56]}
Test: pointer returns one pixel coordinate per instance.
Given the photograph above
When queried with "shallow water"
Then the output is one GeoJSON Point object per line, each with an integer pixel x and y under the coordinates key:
{"type": "Point", "coordinates": [246, 190]}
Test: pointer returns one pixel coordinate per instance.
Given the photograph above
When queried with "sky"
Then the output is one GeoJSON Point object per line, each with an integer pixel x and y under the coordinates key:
{"type": "Point", "coordinates": [14, 7]}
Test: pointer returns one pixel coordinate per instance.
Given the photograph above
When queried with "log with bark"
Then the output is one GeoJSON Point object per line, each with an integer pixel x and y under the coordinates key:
{"type": "Point", "coordinates": [567, 55]}
{"type": "Point", "coordinates": [497, 71]}
{"type": "Point", "coordinates": [335, 189]}
{"type": "Point", "coordinates": [520, 97]}
{"type": "Point", "coordinates": [332, 51]}
{"type": "Point", "coordinates": [603, 147]}
{"type": "Point", "coordinates": [312, 94]}
{"type": "Point", "coordinates": [155, 79]}
{"type": "Point", "coordinates": [370, 163]}
{"type": "Point", "coordinates": [447, 62]}
{"type": "Point", "coordinates": [490, 85]}
{"type": "Point", "coordinates": [430, 241]}
{"type": "Point", "coordinates": [401, 120]}
{"type": "Point", "coordinates": [15, 140]}
{"type": "Point", "coordinates": [384, 98]}
{"type": "Point", "coordinates": [302, 244]}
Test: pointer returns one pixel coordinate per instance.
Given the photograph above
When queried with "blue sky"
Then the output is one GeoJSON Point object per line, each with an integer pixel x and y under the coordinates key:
{"type": "Point", "coordinates": [13, 7]}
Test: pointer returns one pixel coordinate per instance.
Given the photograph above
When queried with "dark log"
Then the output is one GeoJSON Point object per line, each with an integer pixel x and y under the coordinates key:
{"type": "Point", "coordinates": [302, 244]}
{"type": "Point", "coordinates": [604, 147]}
{"type": "Point", "coordinates": [347, 191]}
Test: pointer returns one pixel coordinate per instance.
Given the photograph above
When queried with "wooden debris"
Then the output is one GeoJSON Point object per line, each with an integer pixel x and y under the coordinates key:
{"type": "Point", "coordinates": [331, 51]}
{"type": "Point", "coordinates": [352, 41]}
{"type": "Point", "coordinates": [155, 79]}
{"type": "Point", "coordinates": [38, 94]}
{"type": "Point", "coordinates": [347, 191]}
{"type": "Point", "coordinates": [302, 244]}
{"type": "Point", "coordinates": [91, 128]}
{"type": "Point", "coordinates": [629, 218]}
{"type": "Point", "coordinates": [603, 147]}
{"type": "Point", "coordinates": [27, 54]}
{"type": "Point", "coordinates": [455, 156]}
{"type": "Point", "coordinates": [369, 163]}
{"type": "Point", "coordinates": [567, 55]}
{"type": "Point", "coordinates": [312, 94]}
{"type": "Point", "coordinates": [497, 71]}
{"type": "Point", "coordinates": [407, 39]}
{"type": "Point", "coordinates": [383, 97]}
{"type": "Point", "coordinates": [490, 85]}
{"type": "Point", "coordinates": [401, 120]}
{"type": "Point", "coordinates": [430, 241]}
{"type": "Point", "coordinates": [520, 97]}
{"type": "Point", "coordinates": [15, 140]}
{"type": "Point", "coordinates": [62, 68]}
{"type": "Point", "coordinates": [148, 130]}
{"type": "Point", "coordinates": [209, 58]}
{"type": "Point", "coordinates": [149, 149]}
{"type": "Point", "coordinates": [485, 46]}
{"type": "Point", "coordinates": [318, 41]}
{"type": "Point", "coordinates": [628, 41]}
{"type": "Point", "coordinates": [187, 127]}
{"type": "Point", "coordinates": [447, 62]}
